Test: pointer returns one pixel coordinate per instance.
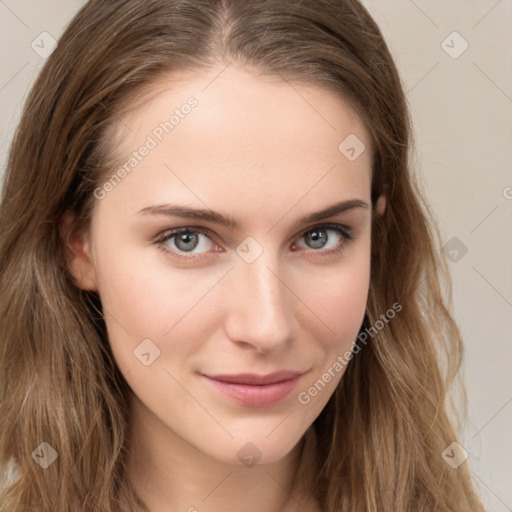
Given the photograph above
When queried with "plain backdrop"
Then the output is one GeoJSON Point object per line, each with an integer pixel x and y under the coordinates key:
{"type": "Point", "coordinates": [455, 60]}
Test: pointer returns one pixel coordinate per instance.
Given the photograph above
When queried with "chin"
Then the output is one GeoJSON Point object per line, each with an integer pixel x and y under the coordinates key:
{"type": "Point", "coordinates": [257, 449]}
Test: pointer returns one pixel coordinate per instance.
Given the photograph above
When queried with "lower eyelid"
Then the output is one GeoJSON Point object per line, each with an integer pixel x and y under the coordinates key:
{"type": "Point", "coordinates": [344, 232]}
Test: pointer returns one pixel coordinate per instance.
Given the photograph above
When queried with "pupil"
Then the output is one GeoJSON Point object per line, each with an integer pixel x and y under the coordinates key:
{"type": "Point", "coordinates": [318, 238]}
{"type": "Point", "coordinates": [183, 242]}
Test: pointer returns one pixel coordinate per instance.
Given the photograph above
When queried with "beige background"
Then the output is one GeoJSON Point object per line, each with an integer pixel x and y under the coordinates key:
{"type": "Point", "coordinates": [462, 110]}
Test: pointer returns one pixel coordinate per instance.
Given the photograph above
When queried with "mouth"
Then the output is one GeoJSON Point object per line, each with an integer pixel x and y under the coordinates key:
{"type": "Point", "coordinates": [254, 390]}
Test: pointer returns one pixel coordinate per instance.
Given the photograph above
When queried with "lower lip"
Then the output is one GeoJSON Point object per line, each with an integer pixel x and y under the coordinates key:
{"type": "Point", "coordinates": [256, 396]}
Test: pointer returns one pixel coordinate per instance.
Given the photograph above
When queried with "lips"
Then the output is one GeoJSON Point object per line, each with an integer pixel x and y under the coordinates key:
{"type": "Point", "coordinates": [256, 380]}
{"type": "Point", "coordinates": [253, 390]}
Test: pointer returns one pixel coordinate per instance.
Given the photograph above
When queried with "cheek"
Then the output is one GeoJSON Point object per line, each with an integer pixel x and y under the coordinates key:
{"type": "Point", "coordinates": [143, 298]}
{"type": "Point", "coordinates": [337, 297]}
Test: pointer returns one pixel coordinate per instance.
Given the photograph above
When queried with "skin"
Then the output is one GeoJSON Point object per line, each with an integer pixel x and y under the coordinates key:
{"type": "Point", "coordinates": [264, 151]}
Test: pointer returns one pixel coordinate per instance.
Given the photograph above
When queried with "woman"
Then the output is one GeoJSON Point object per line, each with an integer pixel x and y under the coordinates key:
{"type": "Point", "coordinates": [220, 285]}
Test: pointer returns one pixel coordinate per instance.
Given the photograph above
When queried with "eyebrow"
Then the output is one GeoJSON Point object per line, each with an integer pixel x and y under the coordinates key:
{"type": "Point", "coordinates": [230, 222]}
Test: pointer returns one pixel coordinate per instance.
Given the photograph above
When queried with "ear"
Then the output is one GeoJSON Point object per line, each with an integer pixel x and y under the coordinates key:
{"type": "Point", "coordinates": [380, 205]}
{"type": "Point", "coordinates": [77, 248]}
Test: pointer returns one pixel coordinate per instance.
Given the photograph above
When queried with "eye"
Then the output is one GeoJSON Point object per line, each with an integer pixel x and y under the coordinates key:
{"type": "Point", "coordinates": [188, 242]}
{"type": "Point", "coordinates": [185, 240]}
{"type": "Point", "coordinates": [328, 237]}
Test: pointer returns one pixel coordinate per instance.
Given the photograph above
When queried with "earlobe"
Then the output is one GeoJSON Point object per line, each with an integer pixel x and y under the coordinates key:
{"type": "Point", "coordinates": [77, 252]}
{"type": "Point", "coordinates": [380, 205]}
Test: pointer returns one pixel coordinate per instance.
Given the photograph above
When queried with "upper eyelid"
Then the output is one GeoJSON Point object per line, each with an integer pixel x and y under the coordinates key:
{"type": "Point", "coordinates": [171, 233]}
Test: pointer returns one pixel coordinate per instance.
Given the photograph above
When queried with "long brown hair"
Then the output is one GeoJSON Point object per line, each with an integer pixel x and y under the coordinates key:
{"type": "Point", "coordinates": [382, 433]}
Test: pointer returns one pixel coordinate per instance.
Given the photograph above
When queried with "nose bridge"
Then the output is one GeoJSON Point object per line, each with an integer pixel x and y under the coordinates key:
{"type": "Point", "coordinates": [261, 307]}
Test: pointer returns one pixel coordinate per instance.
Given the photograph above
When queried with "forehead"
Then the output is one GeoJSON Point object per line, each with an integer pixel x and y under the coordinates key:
{"type": "Point", "coordinates": [246, 134]}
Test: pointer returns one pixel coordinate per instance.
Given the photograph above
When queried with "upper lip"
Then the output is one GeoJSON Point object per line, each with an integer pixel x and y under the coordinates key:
{"type": "Point", "coordinates": [257, 380]}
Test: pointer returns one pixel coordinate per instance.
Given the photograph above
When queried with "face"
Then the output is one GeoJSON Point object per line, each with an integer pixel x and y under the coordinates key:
{"type": "Point", "coordinates": [237, 242]}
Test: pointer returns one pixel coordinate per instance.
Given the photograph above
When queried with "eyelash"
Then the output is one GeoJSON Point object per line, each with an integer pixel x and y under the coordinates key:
{"type": "Point", "coordinates": [345, 233]}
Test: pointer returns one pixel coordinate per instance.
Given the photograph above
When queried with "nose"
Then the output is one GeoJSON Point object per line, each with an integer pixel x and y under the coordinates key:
{"type": "Point", "coordinates": [260, 306]}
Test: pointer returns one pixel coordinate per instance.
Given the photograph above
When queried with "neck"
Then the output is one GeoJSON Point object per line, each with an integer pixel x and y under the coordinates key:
{"type": "Point", "coordinates": [169, 474]}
